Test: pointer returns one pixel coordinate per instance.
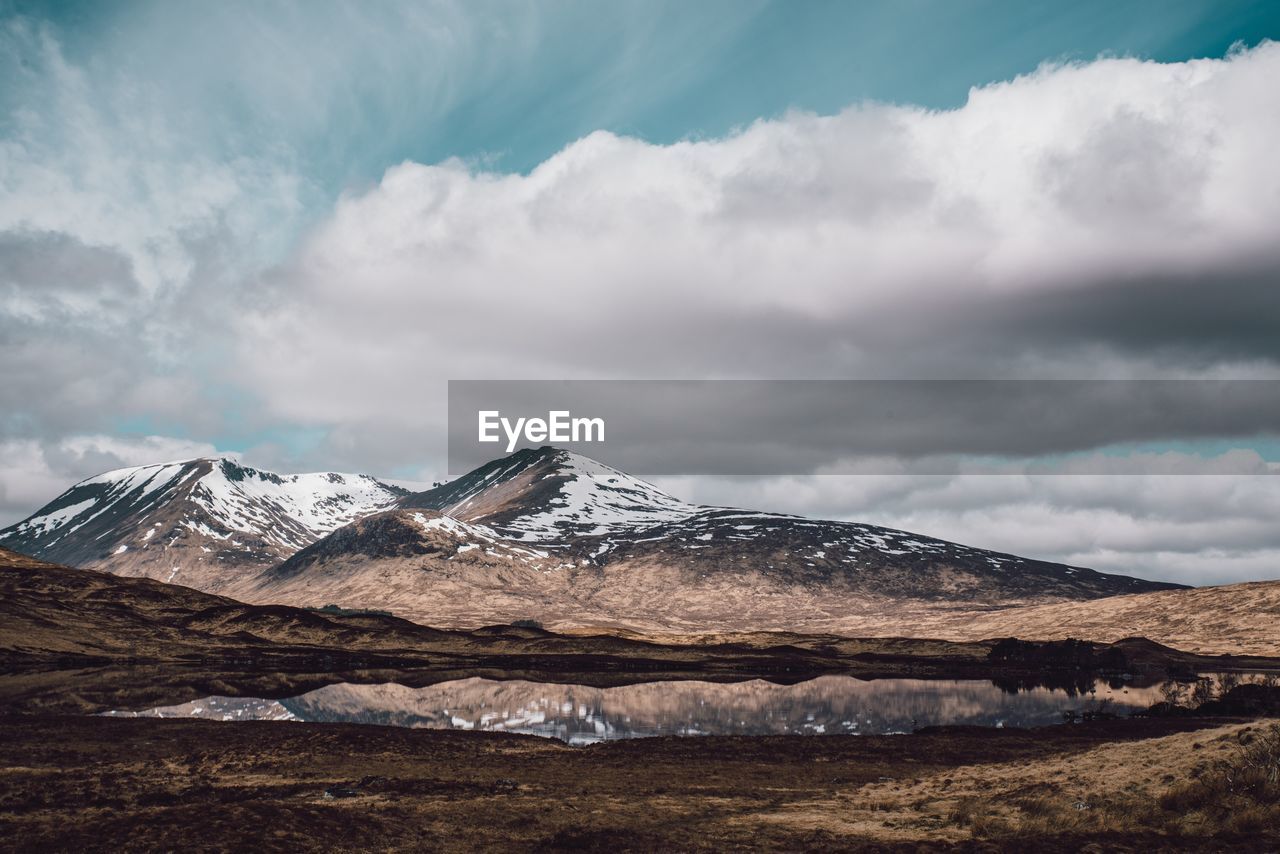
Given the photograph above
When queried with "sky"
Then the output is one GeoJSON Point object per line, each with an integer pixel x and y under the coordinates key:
{"type": "Point", "coordinates": [277, 229]}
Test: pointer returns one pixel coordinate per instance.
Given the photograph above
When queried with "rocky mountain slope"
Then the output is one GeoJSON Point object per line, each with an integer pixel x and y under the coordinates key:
{"type": "Point", "coordinates": [549, 535]}
{"type": "Point", "coordinates": [542, 534]}
{"type": "Point", "coordinates": [205, 523]}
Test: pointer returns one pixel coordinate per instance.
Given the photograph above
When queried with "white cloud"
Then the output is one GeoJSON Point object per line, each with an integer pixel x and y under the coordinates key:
{"type": "Point", "coordinates": [94, 155]}
{"type": "Point", "coordinates": [1028, 228]}
{"type": "Point", "coordinates": [122, 241]}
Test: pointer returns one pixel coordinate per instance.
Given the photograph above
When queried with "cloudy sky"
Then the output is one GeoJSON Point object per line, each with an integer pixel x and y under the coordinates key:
{"type": "Point", "coordinates": [277, 230]}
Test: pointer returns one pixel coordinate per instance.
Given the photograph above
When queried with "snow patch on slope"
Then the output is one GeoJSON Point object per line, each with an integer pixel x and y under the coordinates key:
{"type": "Point", "coordinates": [596, 500]}
{"type": "Point", "coordinates": [55, 518]}
{"type": "Point", "coordinates": [292, 510]}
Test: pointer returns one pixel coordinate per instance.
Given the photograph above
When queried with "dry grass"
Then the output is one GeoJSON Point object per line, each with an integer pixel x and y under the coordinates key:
{"type": "Point", "coordinates": [1235, 619]}
{"type": "Point", "coordinates": [1238, 795]}
{"type": "Point", "coordinates": [111, 784]}
{"type": "Point", "coordinates": [1213, 784]}
{"type": "Point", "coordinates": [1238, 619]}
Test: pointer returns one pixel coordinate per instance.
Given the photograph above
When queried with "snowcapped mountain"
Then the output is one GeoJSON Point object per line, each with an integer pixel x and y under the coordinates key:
{"type": "Point", "coordinates": [201, 522]}
{"type": "Point", "coordinates": [541, 534]}
{"type": "Point", "coordinates": [551, 535]}
{"type": "Point", "coordinates": [577, 510]}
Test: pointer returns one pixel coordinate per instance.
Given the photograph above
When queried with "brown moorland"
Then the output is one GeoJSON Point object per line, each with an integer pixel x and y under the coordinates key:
{"type": "Point", "coordinates": [109, 784]}
{"type": "Point", "coordinates": [79, 641]}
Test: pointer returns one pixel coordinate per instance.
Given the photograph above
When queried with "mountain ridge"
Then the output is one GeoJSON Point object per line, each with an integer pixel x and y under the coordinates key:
{"type": "Point", "coordinates": [187, 516]}
{"type": "Point", "coordinates": [541, 534]}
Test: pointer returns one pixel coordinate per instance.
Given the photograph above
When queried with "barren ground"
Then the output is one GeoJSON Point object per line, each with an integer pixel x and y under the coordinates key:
{"type": "Point", "coordinates": [118, 784]}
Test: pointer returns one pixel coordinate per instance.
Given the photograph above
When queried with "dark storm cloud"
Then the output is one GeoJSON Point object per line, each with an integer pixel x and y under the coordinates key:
{"type": "Point", "coordinates": [1204, 316]}
{"type": "Point", "coordinates": [1184, 319]}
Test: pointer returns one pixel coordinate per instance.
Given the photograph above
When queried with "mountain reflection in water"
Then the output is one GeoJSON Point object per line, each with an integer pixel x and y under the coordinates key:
{"type": "Point", "coordinates": [579, 714]}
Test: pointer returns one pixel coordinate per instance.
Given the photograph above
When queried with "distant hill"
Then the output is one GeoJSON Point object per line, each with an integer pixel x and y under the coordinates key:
{"type": "Point", "coordinates": [1240, 619]}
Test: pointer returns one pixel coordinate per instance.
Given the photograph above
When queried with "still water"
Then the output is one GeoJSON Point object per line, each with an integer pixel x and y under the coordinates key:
{"type": "Point", "coordinates": [581, 715]}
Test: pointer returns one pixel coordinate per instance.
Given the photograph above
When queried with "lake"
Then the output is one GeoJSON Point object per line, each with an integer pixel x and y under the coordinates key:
{"type": "Point", "coordinates": [579, 714]}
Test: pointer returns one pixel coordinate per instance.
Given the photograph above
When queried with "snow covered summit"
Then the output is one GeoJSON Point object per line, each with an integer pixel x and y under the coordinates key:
{"type": "Point", "coordinates": [542, 533]}
{"type": "Point", "coordinates": [549, 495]}
{"type": "Point", "coordinates": [178, 521]}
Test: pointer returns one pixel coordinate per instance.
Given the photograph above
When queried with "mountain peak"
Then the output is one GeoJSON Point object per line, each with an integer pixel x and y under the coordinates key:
{"type": "Point", "coordinates": [159, 518]}
{"type": "Point", "coordinates": [551, 494]}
